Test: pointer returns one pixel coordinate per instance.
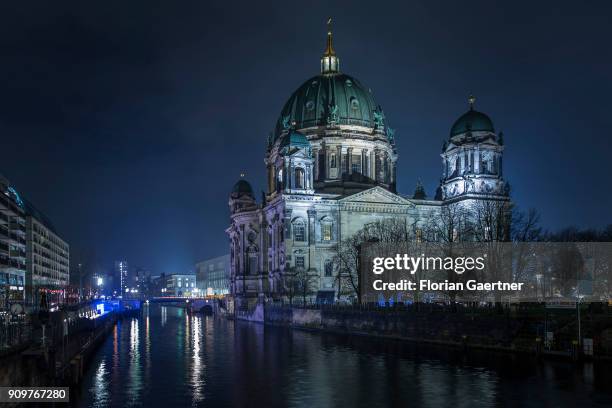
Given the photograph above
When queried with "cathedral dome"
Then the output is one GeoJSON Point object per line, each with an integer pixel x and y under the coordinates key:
{"type": "Point", "coordinates": [314, 103]}
{"type": "Point", "coordinates": [330, 98]}
{"type": "Point", "coordinates": [472, 121]}
{"type": "Point", "coordinates": [242, 187]}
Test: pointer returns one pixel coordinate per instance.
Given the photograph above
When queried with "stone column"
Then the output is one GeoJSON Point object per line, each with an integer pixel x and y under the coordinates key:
{"type": "Point", "coordinates": [242, 250]}
{"type": "Point", "coordinates": [339, 162]}
{"type": "Point", "coordinates": [326, 163]}
{"type": "Point", "coordinates": [373, 165]}
{"type": "Point", "coordinates": [315, 153]}
{"type": "Point", "coordinates": [364, 155]}
{"type": "Point", "coordinates": [312, 217]}
{"type": "Point", "coordinates": [349, 160]}
{"type": "Point", "coordinates": [477, 160]}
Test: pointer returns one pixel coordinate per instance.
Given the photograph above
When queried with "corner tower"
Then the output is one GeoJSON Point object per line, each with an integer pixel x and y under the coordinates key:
{"type": "Point", "coordinates": [472, 164]}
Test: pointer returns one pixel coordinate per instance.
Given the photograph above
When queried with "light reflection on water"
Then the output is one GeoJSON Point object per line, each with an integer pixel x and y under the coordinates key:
{"type": "Point", "coordinates": [169, 358]}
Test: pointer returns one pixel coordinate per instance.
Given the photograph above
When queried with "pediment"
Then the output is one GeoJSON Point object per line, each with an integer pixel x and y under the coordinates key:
{"type": "Point", "coordinates": [377, 195]}
{"type": "Point", "coordinates": [298, 153]}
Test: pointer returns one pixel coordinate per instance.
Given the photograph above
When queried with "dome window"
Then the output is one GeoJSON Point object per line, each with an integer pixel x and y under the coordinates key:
{"type": "Point", "coordinates": [354, 103]}
{"type": "Point", "coordinates": [348, 83]}
{"type": "Point", "coordinates": [314, 83]}
{"type": "Point", "coordinates": [310, 105]}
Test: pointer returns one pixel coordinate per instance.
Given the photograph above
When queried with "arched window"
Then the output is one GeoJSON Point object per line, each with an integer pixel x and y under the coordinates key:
{"type": "Point", "coordinates": [300, 181]}
{"type": "Point", "coordinates": [279, 180]}
{"type": "Point", "coordinates": [326, 229]}
{"type": "Point", "coordinates": [299, 231]}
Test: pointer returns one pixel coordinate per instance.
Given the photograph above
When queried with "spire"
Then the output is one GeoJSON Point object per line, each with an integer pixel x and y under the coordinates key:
{"type": "Point", "coordinates": [330, 63]}
{"type": "Point", "coordinates": [329, 50]}
{"type": "Point", "coordinates": [471, 101]}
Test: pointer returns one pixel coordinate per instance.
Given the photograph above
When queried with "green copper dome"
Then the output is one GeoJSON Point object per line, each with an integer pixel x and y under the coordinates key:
{"type": "Point", "coordinates": [242, 187]}
{"type": "Point", "coordinates": [295, 139]}
{"type": "Point", "coordinates": [325, 99]}
{"type": "Point", "coordinates": [472, 121]}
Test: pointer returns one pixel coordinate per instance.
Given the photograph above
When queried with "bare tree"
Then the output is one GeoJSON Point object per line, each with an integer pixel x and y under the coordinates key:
{"type": "Point", "coordinates": [289, 286]}
{"type": "Point", "coordinates": [348, 252]}
{"type": "Point", "coordinates": [447, 228]}
{"type": "Point", "coordinates": [298, 282]}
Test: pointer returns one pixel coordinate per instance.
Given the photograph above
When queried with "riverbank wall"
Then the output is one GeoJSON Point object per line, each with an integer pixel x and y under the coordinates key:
{"type": "Point", "coordinates": [503, 330]}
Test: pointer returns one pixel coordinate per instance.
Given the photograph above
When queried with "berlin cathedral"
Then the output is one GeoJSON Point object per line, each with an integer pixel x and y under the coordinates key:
{"type": "Point", "coordinates": [331, 170]}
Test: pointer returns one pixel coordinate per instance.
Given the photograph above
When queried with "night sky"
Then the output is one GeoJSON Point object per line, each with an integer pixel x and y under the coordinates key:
{"type": "Point", "coordinates": [128, 122]}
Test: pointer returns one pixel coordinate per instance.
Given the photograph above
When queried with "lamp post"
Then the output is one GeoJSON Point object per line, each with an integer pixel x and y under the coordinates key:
{"type": "Point", "coordinates": [80, 284]}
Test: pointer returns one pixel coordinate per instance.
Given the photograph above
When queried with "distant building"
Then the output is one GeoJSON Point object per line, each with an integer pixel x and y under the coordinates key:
{"type": "Point", "coordinates": [180, 285]}
{"type": "Point", "coordinates": [121, 277]}
{"type": "Point", "coordinates": [158, 285]}
{"type": "Point", "coordinates": [12, 246]}
{"type": "Point", "coordinates": [213, 275]}
{"type": "Point", "coordinates": [141, 280]}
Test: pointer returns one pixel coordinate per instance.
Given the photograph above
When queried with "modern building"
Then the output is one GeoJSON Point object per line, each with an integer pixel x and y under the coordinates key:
{"type": "Point", "coordinates": [213, 275]}
{"type": "Point", "coordinates": [180, 285]}
{"type": "Point", "coordinates": [48, 259]}
{"type": "Point", "coordinates": [141, 281]}
{"type": "Point", "coordinates": [331, 170]}
{"type": "Point", "coordinates": [12, 246]}
{"type": "Point", "coordinates": [34, 259]}
{"type": "Point", "coordinates": [121, 277]}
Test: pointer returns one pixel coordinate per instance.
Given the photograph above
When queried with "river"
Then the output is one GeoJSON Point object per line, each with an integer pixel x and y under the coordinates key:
{"type": "Point", "coordinates": [169, 358]}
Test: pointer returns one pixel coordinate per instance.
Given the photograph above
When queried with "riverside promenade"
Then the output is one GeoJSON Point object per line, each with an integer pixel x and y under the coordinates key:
{"type": "Point", "coordinates": [55, 350]}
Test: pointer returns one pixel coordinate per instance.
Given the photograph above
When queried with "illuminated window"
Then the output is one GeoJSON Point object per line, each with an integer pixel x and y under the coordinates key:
{"type": "Point", "coordinates": [332, 161]}
{"type": "Point", "coordinates": [299, 178]}
{"type": "Point", "coordinates": [419, 235]}
{"type": "Point", "coordinates": [326, 231]}
{"type": "Point", "coordinates": [299, 231]}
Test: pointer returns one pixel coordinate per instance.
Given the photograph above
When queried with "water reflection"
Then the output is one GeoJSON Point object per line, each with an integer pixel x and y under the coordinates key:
{"type": "Point", "coordinates": [100, 390]}
{"type": "Point", "coordinates": [147, 363]}
{"type": "Point", "coordinates": [197, 378]}
{"type": "Point", "coordinates": [169, 358]}
{"type": "Point", "coordinates": [164, 315]}
{"type": "Point", "coordinates": [135, 369]}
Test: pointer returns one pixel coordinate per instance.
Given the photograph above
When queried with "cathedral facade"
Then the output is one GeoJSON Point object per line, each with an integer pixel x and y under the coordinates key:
{"type": "Point", "coordinates": [331, 170]}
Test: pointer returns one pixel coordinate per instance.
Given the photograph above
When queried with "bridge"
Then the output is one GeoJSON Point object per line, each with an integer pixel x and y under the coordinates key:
{"type": "Point", "coordinates": [204, 305]}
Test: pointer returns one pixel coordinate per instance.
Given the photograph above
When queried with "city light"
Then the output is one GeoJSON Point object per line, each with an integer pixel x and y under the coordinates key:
{"type": "Point", "coordinates": [100, 281]}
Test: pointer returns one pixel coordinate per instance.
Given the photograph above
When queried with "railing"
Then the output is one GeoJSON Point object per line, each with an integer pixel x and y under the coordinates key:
{"type": "Point", "coordinates": [14, 332]}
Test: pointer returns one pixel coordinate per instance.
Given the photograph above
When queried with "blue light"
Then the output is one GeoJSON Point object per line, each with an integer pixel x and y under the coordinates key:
{"type": "Point", "coordinates": [15, 194]}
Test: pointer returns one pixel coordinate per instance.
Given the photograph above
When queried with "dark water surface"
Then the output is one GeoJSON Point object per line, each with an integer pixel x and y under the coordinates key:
{"type": "Point", "coordinates": [168, 358]}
